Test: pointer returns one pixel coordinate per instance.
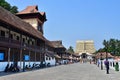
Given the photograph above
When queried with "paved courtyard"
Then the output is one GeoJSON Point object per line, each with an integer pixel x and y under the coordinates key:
{"type": "Point", "coordinates": [77, 71]}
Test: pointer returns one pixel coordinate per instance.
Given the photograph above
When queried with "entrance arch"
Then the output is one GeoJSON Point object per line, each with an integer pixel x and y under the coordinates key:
{"type": "Point", "coordinates": [84, 56]}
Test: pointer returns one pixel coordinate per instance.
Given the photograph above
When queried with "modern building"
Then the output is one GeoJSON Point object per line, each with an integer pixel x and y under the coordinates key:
{"type": "Point", "coordinates": [85, 48]}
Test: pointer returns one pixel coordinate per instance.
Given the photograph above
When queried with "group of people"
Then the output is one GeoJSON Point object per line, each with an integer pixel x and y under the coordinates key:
{"type": "Point", "coordinates": [15, 68]}
{"type": "Point", "coordinates": [12, 68]}
{"type": "Point", "coordinates": [107, 66]}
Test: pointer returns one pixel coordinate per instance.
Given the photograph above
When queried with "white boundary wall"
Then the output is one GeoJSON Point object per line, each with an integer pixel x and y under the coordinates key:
{"type": "Point", "coordinates": [111, 62]}
{"type": "Point", "coordinates": [20, 64]}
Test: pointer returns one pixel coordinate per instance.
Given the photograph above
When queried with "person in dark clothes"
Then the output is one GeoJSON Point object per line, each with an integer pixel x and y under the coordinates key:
{"type": "Point", "coordinates": [6, 68]}
{"type": "Point", "coordinates": [107, 66]}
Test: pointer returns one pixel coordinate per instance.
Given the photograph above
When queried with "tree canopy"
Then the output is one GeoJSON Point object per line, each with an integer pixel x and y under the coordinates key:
{"type": "Point", "coordinates": [112, 46]}
{"type": "Point", "coordinates": [70, 50]}
{"type": "Point", "coordinates": [7, 6]}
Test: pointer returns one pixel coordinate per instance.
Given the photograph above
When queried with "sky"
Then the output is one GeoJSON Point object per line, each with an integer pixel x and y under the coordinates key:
{"type": "Point", "coordinates": [72, 20]}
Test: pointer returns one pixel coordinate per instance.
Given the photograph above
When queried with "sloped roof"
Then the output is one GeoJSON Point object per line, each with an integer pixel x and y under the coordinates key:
{"type": "Point", "coordinates": [49, 43]}
{"type": "Point", "coordinates": [77, 55]}
{"type": "Point", "coordinates": [31, 9]}
{"type": "Point", "coordinates": [18, 23]}
{"type": "Point", "coordinates": [49, 54]}
{"type": "Point", "coordinates": [57, 44]}
{"type": "Point", "coordinates": [103, 55]}
{"type": "Point", "coordinates": [52, 54]}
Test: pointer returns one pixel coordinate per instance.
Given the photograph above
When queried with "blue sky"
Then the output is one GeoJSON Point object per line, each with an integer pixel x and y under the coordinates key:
{"type": "Point", "coordinates": [71, 20]}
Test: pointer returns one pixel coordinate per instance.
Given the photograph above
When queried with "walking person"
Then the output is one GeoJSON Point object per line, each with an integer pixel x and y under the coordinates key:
{"type": "Point", "coordinates": [98, 63]}
{"type": "Point", "coordinates": [107, 66]}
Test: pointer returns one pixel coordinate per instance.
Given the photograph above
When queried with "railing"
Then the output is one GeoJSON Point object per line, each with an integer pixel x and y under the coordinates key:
{"type": "Point", "coordinates": [37, 47]}
{"type": "Point", "coordinates": [4, 39]}
{"type": "Point", "coordinates": [15, 42]}
{"type": "Point", "coordinates": [25, 45]}
{"type": "Point", "coordinates": [32, 46]}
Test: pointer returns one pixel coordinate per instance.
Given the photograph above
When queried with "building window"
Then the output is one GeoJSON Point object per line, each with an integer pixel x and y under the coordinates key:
{"type": "Point", "coordinates": [39, 28]}
{"type": "Point", "coordinates": [49, 58]}
{"type": "Point", "coordinates": [2, 33]}
{"type": "Point", "coordinates": [18, 38]}
{"type": "Point", "coordinates": [23, 40]}
{"type": "Point", "coordinates": [11, 36]}
{"type": "Point", "coordinates": [32, 43]}
{"type": "Point", "coordinates": [28, 41]}
{"type": "Point", "coordinates": [46, 58]}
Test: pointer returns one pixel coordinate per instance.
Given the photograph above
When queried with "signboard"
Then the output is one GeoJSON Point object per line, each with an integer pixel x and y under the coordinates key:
{"type": "Point", "coordinates": [1, 56]}
{"type": "Point", "coordinates": [27, 57]}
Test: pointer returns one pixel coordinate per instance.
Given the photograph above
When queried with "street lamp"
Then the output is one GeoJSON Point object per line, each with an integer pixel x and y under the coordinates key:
{"type": "Point", "coordinates": [24, 58]}
{"type": "Point", "coordinates": [24, 63]}
{"type": "Point", "coordinates": [101, 61]}
{"type": "Point", "coordinates": [106, 47]}
{"type": "Point", "coordinates": [106, 54]}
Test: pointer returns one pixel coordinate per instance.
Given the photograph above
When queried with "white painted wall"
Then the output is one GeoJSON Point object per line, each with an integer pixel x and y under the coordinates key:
{"type": "Point", "coordinates": [52, 61]}
{"type": "Point", "coordinates": [20, 64]}
{"type": "Point", "coordinates": [3, 65]}
{"type": "Point", "coordinates": [110, 60]}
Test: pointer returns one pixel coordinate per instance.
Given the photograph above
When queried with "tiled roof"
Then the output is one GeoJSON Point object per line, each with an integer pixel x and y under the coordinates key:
{"type": "Point", "coordinates": [77, 55]}
{"type": "Point", "coordinates": [52, 54]}
{"type": "Point", "coordinates": [103, 55]}
{"type": "Point", "coordinates": [31, 9]}
{"type": "Point", "coordinates": [48, 43]}
{"type": "Point", "coordinates": [18, 23]}
{"type": "Point", "coordinates": [49, 54]}
{"type": "Point", "coordinates": [57, 44]}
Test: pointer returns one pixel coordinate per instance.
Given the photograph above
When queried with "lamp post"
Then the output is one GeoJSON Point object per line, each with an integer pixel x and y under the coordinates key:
{"type": "Point", "coordinates": [107, 62]}
{"type": "Point", "coordinates": [24, 58]}
{"type": "Point", "coordinates": [106, 54]}
{"type": "Point", "coordinates": [101, 61]}
{"type": "Point", "coordinates": [24, 63]}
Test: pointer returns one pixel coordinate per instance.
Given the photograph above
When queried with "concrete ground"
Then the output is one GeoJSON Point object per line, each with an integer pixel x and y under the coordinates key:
{"type": "Point", "coordinates": [77, 71]}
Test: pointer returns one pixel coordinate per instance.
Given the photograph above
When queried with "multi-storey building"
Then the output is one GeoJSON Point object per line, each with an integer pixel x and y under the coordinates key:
{"type": "Point", "coordinates": [22, 40]}
{"type": "Point", "coordinates": [85, 47]}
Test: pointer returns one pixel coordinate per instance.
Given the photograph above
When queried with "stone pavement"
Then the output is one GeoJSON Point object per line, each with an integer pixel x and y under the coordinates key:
{"type": "Point", "coordinates": [77, 71]}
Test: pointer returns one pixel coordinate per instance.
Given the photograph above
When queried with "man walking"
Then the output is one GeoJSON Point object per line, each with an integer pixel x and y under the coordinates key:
{"type": "Point", "coordinates": [107, 66]}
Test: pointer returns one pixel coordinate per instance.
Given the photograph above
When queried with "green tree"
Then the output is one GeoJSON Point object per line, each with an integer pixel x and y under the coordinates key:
{"type": "Point", "coordinates": [7, 6]}
{"type": "Point", "coordinates": [112, 46]}
{"type": "Point", "coordinates": [70, 50]}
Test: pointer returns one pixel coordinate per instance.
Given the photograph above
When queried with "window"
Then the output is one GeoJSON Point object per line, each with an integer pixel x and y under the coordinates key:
{"type": "Point", "coordinates": [23, 40]}
{"type": "Point", "coordinates": [32, 43]}
{"type": "Point", "coordinates": [28, 41]}
{"type": "Point", "coordinates": [49, 58]}
{"type": "Point", "coordinates": [11, 36]}
{"type": "Point", "coordinates": [2, 33]}
{"type": "Point", "coordinates": [17, 37]}
{"type": "Point", "coordinates": [46, 58]}
{"type": "Point", "coordinates": [39, 28]}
